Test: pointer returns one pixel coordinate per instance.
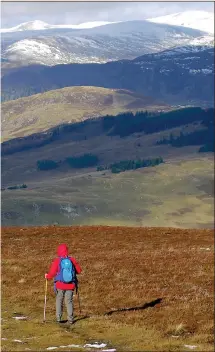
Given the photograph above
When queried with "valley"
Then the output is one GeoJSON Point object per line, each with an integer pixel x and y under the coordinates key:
{"type": "Point", "coordinates": [108, 95]}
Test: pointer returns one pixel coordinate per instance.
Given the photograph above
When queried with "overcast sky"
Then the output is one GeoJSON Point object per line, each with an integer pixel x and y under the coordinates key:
{"type": "Point", "coordinates": [14, 13]}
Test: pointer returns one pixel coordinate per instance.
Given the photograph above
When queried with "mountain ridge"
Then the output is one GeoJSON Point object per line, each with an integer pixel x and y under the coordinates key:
{"type": "Point", "coordinates": [41, 25]}
{"type": "Point", "coordinates": [177, 77]}
{"type": "Point", "coordinates": [99, 44]}
{"type": "Point", "coordinates": [201, 20]}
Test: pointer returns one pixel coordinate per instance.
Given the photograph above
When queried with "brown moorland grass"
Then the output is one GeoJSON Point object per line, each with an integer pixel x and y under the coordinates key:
{"type": "Point", "coordinates": [122, 267]}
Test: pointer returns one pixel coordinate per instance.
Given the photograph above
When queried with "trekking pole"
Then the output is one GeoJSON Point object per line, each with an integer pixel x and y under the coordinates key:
{"type": "Point", "coordinates": [44, 315]}
{"type": "Point", "coordinates": [77, 293]}
{"type": "Point", "coordinates": [79, 301]}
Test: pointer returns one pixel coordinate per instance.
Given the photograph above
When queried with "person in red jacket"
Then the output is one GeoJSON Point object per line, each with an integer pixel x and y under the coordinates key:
{"type": "Point", "coordinates": [63, 290]}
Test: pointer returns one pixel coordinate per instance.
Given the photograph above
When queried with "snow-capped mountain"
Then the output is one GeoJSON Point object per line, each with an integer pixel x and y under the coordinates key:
{"type": "Point", "coordinates": [32, 25]}
{"type": "Point", "coordinates": [116, 41]}
{"type": "Point", "coordinates": [40, 25]}
{"type": "Point", "coordinates": [52, 51]}
{"type": "Point", "coordinates": [201, 20]}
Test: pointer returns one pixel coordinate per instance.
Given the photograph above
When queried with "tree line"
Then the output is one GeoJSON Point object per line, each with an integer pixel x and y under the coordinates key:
{"type": "Point", "coordinates": [128, 123]}
{"type": "Point", "coordinates": [123, 125]}
{"type": "Point", "coordinates": [82, 161]}
{"type": "Point", "coordinates": [23, 186]}
{"type": "Point", "coordinates": [203, 137]}
{"type": "Point", "coordinates": [90, 160]}
{"type": "Point", "coordinates": [124, 165]}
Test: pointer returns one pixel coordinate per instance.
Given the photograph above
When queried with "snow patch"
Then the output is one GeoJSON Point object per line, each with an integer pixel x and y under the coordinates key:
{"type": "Point", "coordinates": [95, 345]}
{"type": "Point", "coordinates": [47, 53]}
{"type": "Point", "coordinates": [84, 25]}
{"type": "Point", "coordinates": [207, 40]}
{"type": "Point", "coordinates": [87, 345]}
{"type": "Point", "coordinates": [191, 57]}
{"type": "Point", "coordinates": [206, 71]}
{"type": "Point", "coordinates": [29, 46]}
{"type": "Point", "coordinates": [165, 70]}
{"type": "Point", "coordinates": [190, 346]}
{"type": "Point", "coordinates": [202, 70]}
{"type": "Point", "coordinates": [69, 211]}
{"type": "Point", "coordinates": [20, 318]}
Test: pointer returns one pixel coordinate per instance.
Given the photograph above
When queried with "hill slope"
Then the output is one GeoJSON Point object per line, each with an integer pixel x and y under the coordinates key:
{"type": "Point", "coordinates": [178, 193]}
{"type": "Point", "coordinates": [68, 105]}
{"type": "Point", "coordinates": [181, 76]}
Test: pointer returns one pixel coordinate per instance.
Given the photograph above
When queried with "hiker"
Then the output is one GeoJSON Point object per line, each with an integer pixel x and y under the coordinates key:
{"type": "Point", "coordinates": [64, 269]}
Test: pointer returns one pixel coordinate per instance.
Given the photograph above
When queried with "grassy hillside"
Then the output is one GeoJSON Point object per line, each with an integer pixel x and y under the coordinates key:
{"type": "Point", "coordinates": [178, 193]}
{"type": "Point", "coordinates": [40, 112]}
{"type": "Point", "coordinates": [122, 268]}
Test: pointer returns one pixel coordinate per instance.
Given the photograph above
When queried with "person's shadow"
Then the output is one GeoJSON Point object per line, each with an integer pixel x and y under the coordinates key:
{"type": "Point", "coordinates": [142, 307]}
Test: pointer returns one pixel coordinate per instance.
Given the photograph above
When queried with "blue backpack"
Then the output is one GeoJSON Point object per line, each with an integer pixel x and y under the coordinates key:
{"type": "Point", "coordinates": [67, 273]}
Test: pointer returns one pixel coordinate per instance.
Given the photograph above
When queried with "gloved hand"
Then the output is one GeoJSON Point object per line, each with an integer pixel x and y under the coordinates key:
{"type": "Point", "coordinates": [46, 276]}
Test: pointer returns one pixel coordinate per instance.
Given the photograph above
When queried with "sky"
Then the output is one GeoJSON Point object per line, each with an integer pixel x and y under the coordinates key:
{"type": "Point", "coordinates": [14, 13]}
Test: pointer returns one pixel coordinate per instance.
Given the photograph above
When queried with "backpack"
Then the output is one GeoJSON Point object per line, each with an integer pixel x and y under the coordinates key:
{"type": "Point", "coordinates": [67, 273]}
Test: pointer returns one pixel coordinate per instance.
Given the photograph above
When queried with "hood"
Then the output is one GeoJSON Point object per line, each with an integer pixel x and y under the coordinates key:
{"type": "Point", "coordinates": [62, 250]}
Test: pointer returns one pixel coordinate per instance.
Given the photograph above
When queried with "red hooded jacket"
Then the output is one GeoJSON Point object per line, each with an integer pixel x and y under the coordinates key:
{"type": "Point", "coordinates": [62, 251]}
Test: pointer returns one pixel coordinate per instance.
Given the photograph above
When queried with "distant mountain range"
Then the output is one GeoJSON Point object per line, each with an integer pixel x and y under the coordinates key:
{"type": "Point", "coordinates": [38, 25]}
{"type": "Point", "coordinates": [182, 75]}
{"type": "Point", "coordinates": [201, 20]}
{"type": "Point", "coordinates": [94, 42]}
